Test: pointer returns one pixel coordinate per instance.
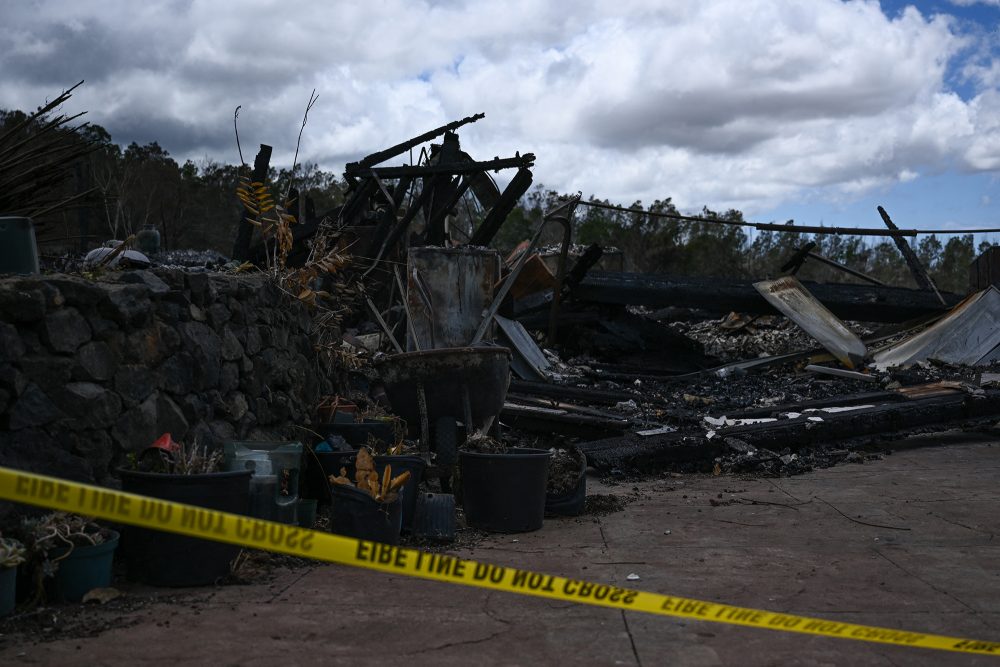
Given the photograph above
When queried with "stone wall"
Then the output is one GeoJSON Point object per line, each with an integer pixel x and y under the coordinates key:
{"type": "Point", "coordinates": [92, 370]}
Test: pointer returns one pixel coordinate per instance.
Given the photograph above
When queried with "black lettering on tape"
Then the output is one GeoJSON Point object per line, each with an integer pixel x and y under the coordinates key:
{"type": "Point", "coordinates": [42, 489]}
{"type": "Point", "coordinates": [982, 647]}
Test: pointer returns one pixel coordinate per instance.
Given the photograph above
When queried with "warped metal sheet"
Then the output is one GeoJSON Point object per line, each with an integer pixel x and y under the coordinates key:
{"type": "Point", "coordinates": [797, 304]}
{"type": "Point", "coordinates": [528, 361]}
{"type": "Point", "coordinates": [968, 335]}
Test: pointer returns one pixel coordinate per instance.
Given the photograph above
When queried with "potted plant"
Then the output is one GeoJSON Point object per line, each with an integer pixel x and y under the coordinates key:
{"type": "Point", "coordinates": [11, 555]}
{"type": "Point", "coordinates": [191, 475]}
{"type": "Point", "coordinates": [503, 488]}
{"type": "Point", "coordinates": [72, 551]}
{"type": "Point", "coordinates": [566, 490]}
{"type": "Point", "coordinates": [369, 507]}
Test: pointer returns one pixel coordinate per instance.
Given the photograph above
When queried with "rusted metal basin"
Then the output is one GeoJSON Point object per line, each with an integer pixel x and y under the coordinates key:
{"type": "Point", "coordinates": [447, 375]}
{"type": "Point", "coordinates": [447, 291]}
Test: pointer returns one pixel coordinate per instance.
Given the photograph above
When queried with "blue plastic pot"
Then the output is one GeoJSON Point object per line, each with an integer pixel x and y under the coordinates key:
{"type": "Point", "coordinates": [84, 569]}
{"type": "Point", "coordinates": [8, 584]}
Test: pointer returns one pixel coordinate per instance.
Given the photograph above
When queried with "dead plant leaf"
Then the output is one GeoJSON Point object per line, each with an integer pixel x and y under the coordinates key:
{"type": "Point", "coordinates": [101, 595]}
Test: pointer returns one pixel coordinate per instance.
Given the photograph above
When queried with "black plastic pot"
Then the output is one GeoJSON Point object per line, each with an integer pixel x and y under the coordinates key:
{"type": "Point", "coordinates": [505, 493]}
{"type": "Point", "coordinates": [357, 433]}
{"type": "Point", "coordinates": [8, 585]}
{"type": "Point", "coordinates": [166, 559]}
{"type": "Point", "coordinates": [330, 463]}
{"type": "Point", "coordinates": [356, 514]}
{"type": "Point", "coordinates": [434, 518]}
{"type": "Point", "coordinates": [307, 513]}
{"type": "Point", "coordinates": [411, 489]}
{"type": "Point", "coordinates": [572, 502]}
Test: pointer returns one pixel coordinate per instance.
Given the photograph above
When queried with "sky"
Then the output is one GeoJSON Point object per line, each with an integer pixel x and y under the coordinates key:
{"type": "Point", "coordinates": [815, 111]}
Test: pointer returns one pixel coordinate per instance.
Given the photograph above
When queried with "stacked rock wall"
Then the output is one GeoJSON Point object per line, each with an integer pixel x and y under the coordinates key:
{"type": "Point", "coordinates": [93, 370]}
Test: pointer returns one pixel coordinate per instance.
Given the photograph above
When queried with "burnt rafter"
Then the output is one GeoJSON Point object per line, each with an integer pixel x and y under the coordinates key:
{"type": "Point", "coordinates": [400, 148]}
{"type": "Point", "coordinates": [454, 168]}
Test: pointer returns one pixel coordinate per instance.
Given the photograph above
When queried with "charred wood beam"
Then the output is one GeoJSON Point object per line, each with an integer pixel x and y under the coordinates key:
{"type": "Point", "coordinates": [556, 391]}
{"type": "Point", "coordinates": [400, 148]}
{"type": "Point", "coordinates": [358, 200]}
{"type": "Point", "coordinates": [453, 168]}
{"type": "Point", "coordinates": [590, 257]}
{"type": "Point", "coordinates": [399, 193]}
{"type": "Point", "coordinates": [794, 264]}
{"type": "Point", "coordinates": [540, 420]}
{"type": "Point", "coordinates": [865, 398]}
{"type": "Point", "coordinates": [244, 233]}
{"type": "Point", "coordinates": [435, 225]}
{"type": "Point", "coordinates": [498, 214]}
{"type": "Point", "coordinates": [889, 420]}
{"type": "Point", "coordinates": [937, 413]}
{"type": "Point", "coordinates": [920, 274]}
{"type": "Point", "coordinates": [869, 303]}
{"type": "Point", "coordinates": [633, 452]}
{"type": "Point", "coordinates": [396, 233]}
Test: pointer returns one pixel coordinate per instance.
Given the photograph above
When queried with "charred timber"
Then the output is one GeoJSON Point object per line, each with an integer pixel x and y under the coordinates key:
{"type": "Point", "coordinates": [538, 420]}
{"type": "Point", "coordinates": [867, 303]}
{"type": "Point", "coordinates": [401, 148]}
{"type": "Point", "coordinates": [893, 420]}
{"type": "Point", "coordinates": [453, 168]}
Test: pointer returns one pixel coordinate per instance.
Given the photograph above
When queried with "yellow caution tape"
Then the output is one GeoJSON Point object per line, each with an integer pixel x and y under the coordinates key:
{"type": "Point", "coordinates": [132, 509]}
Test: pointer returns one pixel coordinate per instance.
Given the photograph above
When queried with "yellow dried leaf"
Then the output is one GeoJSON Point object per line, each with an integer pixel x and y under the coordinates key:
{"type": "Point", "coordinates": [364, 460]}
{"type": "Point", "coordinates": [398, 482]}
{"type": "Point", "coordinates": [386, 478]}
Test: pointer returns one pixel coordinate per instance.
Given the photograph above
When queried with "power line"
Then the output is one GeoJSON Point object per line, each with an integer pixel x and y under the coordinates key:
{"type": "Point", "coordinates": [797, 229]}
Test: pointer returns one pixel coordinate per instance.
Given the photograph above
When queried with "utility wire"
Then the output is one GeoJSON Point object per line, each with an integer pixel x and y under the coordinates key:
{"type": "Point", "coordinates": [799, 229]}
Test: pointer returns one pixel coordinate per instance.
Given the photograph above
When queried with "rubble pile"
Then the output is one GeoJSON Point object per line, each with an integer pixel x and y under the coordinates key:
{"type": "Point", "coordinates": [464, 365]}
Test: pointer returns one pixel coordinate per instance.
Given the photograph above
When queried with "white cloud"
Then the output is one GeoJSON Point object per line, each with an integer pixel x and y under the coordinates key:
{"type": "Point", "coordinates": [969, 3]}
{"type": "Point", "coordinates": [722, 102]}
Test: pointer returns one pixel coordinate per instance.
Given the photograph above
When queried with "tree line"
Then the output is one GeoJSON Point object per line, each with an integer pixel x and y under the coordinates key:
{"type": "Point", "coordinates": [194, 205]}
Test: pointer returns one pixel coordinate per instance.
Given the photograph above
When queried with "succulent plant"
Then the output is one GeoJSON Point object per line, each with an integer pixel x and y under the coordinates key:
{"type": "Point", "coordinates": [12, 552]}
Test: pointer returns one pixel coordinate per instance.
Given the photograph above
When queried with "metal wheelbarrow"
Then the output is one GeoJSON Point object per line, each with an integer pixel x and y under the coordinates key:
{"type": "Point", "coordinates": [444, 386]}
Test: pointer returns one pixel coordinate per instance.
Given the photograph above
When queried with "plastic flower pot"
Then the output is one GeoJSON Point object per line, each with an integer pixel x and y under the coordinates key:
{"type": "Point", "coordinates": [276, 467]}
{"type": "Point", "coordinates": [434, 518]}
{"type": "Point", "coordinates": [329, 463]}
{"type": "Point", "coordinates": [167, 559]}
{"type": "Point", "coordinates": [357, 433]}
{"type": "Point", "coordinates": [354, 513]}
{"type": "Point", "coordinates": [572, 502]}
{"type": "Point", "coordinates": [505, 493]}
{"type": "Point", "coordinates": [8, 585]}
{"type": "Point", "coordinates": [84, 569]}
{"type": "Point", "coordinates": [408, 494]}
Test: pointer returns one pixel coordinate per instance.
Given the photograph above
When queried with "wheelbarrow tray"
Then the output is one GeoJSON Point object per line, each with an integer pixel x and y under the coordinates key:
{"type": "Point", "coordinates": [445, 374]}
